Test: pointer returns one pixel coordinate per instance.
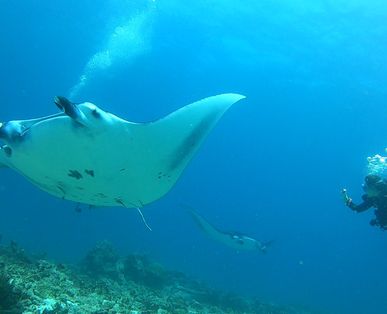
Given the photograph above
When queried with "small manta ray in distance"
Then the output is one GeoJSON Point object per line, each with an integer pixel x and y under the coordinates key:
{"type": "Point", "coordinates": [234, 240]}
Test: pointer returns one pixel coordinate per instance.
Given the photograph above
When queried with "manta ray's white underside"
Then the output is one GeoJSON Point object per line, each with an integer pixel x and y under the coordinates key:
{"type": "Point", "coordinates": [103, 160]}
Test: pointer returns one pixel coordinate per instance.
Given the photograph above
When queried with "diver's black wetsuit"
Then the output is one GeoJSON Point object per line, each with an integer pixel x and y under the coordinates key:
{"type": "Point", "coordinates": [379, 202]}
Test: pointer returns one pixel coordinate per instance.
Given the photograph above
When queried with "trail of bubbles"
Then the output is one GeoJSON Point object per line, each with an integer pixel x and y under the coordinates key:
{"type": "Point", "coordinates": [377, 165]}
{"type": "Point", "coordinates": [125, 44]}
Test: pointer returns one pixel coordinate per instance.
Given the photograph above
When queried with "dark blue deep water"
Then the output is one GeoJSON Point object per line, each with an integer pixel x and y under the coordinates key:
{"type": "Point", "coordinates": [314, 73]}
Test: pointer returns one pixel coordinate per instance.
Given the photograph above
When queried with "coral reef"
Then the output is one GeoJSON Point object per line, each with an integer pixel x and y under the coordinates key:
{"type": "Point", "coordinates": [105, 283]}
{"type": "Point", "coordinates": [102, 260]}
{"type": "Point", "coordinates": [8, 297]}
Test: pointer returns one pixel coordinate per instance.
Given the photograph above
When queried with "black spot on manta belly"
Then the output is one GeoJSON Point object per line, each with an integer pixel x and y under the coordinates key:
{"type": "Point", "coordinates": [89, 172]}
{"type": "Point", "coordinates": [162, 175]}
{"type": "Point", "coordinates": [75, 174]}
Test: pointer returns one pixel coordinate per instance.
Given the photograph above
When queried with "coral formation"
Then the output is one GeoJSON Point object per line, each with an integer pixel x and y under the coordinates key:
{"type": "Point", "coordinates": [8, 297]}
{"type": "Point", "coordinates": [105, 283]}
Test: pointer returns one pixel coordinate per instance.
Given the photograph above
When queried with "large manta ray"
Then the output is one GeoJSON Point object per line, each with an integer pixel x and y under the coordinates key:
{"type": "Point", "coordinates": [87, 155]}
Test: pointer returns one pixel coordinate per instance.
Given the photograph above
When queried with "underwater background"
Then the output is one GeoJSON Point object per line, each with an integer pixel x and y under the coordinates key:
{"type": "Point", "coordinates": [314, 73]}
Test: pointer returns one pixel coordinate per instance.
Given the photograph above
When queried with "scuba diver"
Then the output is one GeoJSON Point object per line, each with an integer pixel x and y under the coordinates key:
{"type": "Point", "coordinates": [375, 189]}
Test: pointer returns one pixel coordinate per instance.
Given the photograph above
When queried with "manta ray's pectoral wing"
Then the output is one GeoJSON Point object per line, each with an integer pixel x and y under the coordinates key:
{"type": "Point", "coordinates": [162, 149]}
{"type": "Point", "coordinates": [206, 227]}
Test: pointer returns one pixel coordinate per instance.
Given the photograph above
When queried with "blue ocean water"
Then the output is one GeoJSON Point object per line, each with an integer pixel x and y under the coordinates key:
{"type": "Point", "coordinates": [314, 76]}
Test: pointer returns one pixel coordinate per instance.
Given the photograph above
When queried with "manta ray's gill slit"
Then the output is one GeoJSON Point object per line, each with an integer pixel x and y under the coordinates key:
{"type": "Point", "coordinates": [43, 186]}
{"type": "Point", "coordinates": [75, 174]}
{"type": "Point", "coordinates": [62, 190]}
{"type": "Point", "coordinates": [51, 185]}
{"type": "Point", "coordinates": [61, 186]}
{"type": "Point", "coordinates": [118, 200]}
{"type": "Point", "coordinates": [100, 195]}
